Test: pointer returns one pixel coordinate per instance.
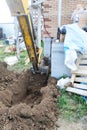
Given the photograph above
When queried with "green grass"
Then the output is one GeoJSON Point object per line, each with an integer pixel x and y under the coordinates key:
{"type": "Point", "coordinates": [3, 54]}
{"type": "Point", "coordinates": [71, 106]}
{"type": "Point", "coordinates": [42, 44]}
{"type": "Point", "coordinates": [20, 65]}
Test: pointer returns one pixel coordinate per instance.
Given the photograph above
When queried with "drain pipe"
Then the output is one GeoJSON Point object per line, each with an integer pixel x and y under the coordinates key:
{"type": "Point", "coordinates": [39, 27]}
{"type": "Point", "coordinates": [59, 19]}
{"type": "Point", "coordinates": [59, 12]}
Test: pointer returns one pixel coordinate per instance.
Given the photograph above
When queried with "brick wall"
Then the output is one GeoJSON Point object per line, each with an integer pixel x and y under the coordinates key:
{"type": "Point", "coordinates": [68, 6]}
{"type": "Point", "coordinates": [50, 10]}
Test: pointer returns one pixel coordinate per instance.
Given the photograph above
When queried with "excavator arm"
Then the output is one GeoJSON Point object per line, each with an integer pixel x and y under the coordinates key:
{"type": "Point", "coordinates": [20, 9]}
{"type": "Point", "coordinates": [29, 40]}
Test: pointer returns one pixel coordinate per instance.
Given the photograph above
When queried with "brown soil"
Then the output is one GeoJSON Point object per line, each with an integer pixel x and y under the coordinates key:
{"type": "Point", "coordinates": [27, 101]}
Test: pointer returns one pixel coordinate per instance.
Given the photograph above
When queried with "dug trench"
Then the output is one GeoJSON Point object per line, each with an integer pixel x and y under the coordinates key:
{"type": "Point", "coordinates": [27, 101]}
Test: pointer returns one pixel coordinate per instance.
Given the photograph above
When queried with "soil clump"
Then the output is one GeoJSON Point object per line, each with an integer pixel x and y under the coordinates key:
{"type": "Point", "coordinates": [27, 101]}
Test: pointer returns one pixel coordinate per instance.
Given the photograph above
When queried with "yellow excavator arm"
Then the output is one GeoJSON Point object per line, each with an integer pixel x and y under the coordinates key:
{"type": "Point", "coordinates": [20, 9]}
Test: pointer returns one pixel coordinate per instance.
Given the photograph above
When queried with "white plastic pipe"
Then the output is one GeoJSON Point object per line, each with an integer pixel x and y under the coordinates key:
{"type": "Point", "coordinates": [59, 12]}
{"type": "Point", "coordinates": [39, 27]}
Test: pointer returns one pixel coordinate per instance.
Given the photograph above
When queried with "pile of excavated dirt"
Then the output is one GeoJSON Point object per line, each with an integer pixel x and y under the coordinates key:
{"type": "Point", "coordinates": [27, 101]}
